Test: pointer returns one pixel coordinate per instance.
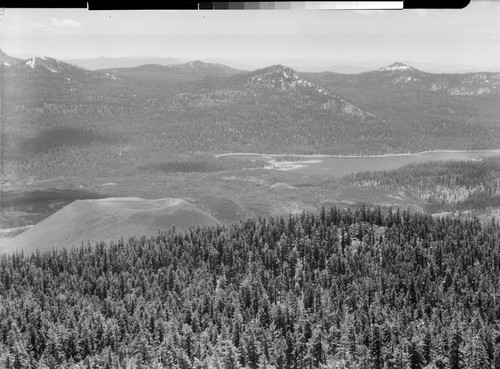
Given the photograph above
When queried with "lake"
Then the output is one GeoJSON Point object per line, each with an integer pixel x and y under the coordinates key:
{"type": "Point", "coordinates": [338, 166]}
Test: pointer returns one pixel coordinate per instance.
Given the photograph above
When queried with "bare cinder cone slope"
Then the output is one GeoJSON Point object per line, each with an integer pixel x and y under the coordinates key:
{"type": "Point", "coordinates": [107, 220]}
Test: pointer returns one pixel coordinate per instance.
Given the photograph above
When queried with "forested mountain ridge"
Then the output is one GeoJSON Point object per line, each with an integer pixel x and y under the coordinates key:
{"type": "Point", "coordinates": [331, 290]}
{"type": "Point", "coordinates": [435, 110]}
{"type": "Point", "coordinates": [218, 109]}
{"type": "Point", "coordinates": [50, 68]}
{"type": "Point", "coordinates": [399, 76]}
{"type": "Point", "coordinates": [273, 86]}
{"type": "Point", "coordinates": [215, 114]}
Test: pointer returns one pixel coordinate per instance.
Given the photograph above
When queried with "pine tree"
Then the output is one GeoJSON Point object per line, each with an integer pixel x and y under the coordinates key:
{"type": "Point", "coordinates": [6, 360]}
{"type": "Point", "coordinates": [316, 348]}
{"type": "Point", "coordinates": [19, 357]}
{"type": "Point", "coordinates": [230, 356]}
{"type": "Point", "coordinates": [477, 357]}
{"type": "Point", "coordinates": [496, 362]}
{"type": "Point", "coordinates": [187, 340]}
{"type": "Point", "coordinates": [290, 352]}
{"type": "Point", "coordinates": [455, 355]}
{"type": "Point", "coordinates": [143, 349]}
{"type": "Point", "coordinates": [414, 356]}
{"type": "Point", "coordinates": [264, 312]}
{"type": "Point", "coordinates": [376, 358]}
{"type": "Point", "coordinates": [252, 352]}
{"type": "Point", "coordinates": [427, 348]}
{"type": "Point", "coordinates": [263, 362]}
{"type": "Point", "coordinates": [183, 361]}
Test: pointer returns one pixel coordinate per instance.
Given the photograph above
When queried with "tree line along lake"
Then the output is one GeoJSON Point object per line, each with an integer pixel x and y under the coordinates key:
{"type": "Point", "coordinates": [329, 166]}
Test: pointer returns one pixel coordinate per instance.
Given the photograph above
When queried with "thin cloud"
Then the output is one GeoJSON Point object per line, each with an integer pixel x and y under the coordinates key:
{"type": "Point", "coordinates": [64, 23]}
{"type": "Point", "coordinates": [421, 12]}
{"type": "Point", "coordinates": [38, 25]}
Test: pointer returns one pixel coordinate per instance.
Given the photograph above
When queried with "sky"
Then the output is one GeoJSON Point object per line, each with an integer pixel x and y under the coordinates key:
{"type": "Point", "coordinates": [467, 36]}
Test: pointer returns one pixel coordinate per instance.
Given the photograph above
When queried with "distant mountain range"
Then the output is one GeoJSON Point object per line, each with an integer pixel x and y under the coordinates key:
{"type": "Point", "coordinates": [194, 70]}
{"type": "Point", "coordinates": [46, 67]}
{"type": "Point", "coordinates": [396, 74]}
{"type": "Point", "coordinates": [361, 67]}
{"type": "Point", "coordinates": [396, 108]}
{"type": "Point", "coordinates": [302, 64]}
{"type": "Point", "coordinates": [402, 76]}
{"type": "Point", "coordinates": [108, 63]}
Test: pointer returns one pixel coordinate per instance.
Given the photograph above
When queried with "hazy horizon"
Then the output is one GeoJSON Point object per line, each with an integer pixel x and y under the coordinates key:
{"type": "Point", "coordinates": [461, 38]}
{"type": "Point", "coordinates": [303, 65]}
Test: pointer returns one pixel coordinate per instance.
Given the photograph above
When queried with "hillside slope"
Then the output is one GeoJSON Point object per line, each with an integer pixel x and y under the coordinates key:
{"type": "Point", "coordinates": [107, 220]}
{"type": "Point", "coordinates": [7, 60]}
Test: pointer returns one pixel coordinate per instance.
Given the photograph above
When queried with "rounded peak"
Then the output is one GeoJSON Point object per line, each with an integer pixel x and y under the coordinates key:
{"type": "Point", "coordinates": [282, 78]}
{"type": "Point", "coordinates": [279, 68]}
{"type": "Point", "coordinates": [396, 66]}
{"type": "Point", "coordinates": [195, 63]}
{"type": "Point", "coordinates": [45, 63]}
{"type": "Point", "coordinates": [201, 65]}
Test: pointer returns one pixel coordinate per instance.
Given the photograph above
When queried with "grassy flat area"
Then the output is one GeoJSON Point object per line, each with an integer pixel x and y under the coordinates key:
{"type": "Point", "coordinates": [231, 189]}
{"type": "Point", "coordinates": [230, 195]}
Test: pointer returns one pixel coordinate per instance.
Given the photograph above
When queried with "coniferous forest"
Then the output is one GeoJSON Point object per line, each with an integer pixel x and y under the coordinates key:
{"type": "Point", "coordinates": [455, 185]}
{"type": "Point", "coordinates": [338, 289]}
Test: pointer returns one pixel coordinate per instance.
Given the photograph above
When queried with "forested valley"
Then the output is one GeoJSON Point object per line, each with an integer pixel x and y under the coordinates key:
{"type": "Point", "coordinates": [348, 288]}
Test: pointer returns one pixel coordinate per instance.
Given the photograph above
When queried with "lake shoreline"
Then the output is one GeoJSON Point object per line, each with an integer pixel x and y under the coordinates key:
{"type": "Point", "coordinates": [495, 151]}
{"type": "Point", "coordinates": [336, 166]}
